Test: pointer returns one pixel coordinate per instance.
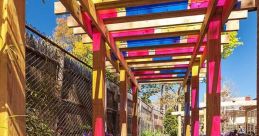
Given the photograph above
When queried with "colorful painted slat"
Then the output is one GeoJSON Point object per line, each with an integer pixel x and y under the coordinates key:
{"type": "Point", "coordinates": [148, 72]}
{"type": "Point", "coordinates": [155, 8]}
{"type": "Point", "coordinates": [160, 76]}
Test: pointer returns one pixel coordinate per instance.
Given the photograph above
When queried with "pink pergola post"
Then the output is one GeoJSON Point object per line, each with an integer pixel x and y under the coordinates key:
{"type": "Point", "coordinates": [98, 84]}
{"type": "Point", "coordinates": [195, 100]}
{"type": "Point", "coordinates": [213, 76]}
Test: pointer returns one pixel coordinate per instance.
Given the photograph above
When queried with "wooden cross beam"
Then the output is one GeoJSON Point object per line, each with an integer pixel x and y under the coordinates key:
{"type": "Point", "coordinates": [171, 14]}
{"type": "Point", "coordinates": [171, 46]}
{"type": "Point", "coordinates": [159, 61]}
{"type": "Point", "coordinates": [143, 74]}
{"type": "Point", "coordinates": [159, 81]}
{"type": "Point", "coordinates": [88, 7]}
{"type": "Point", "coordinates": [129, 3]}
{"type": "Point", "coordinates": [157, 35]}
{"type": "Point", "coordinates": [159, 55]}
{"type": "Point", "coordinates": [159, 69]}
{"type": "Point", "coordinates": [160, 78]}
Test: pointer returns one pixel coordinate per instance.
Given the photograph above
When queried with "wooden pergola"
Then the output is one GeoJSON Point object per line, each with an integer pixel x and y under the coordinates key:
{"type": "Point", "coordinates": [150, 41]}
{"type": "Point", "coordinates": [145, 42]}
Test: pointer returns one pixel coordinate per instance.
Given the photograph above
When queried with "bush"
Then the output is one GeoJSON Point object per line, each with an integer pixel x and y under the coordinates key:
{"type": "Point", "coordinates": [151, 133]}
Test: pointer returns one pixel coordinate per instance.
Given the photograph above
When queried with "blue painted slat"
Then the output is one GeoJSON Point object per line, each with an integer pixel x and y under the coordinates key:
{"type": "Point", "coordinates": [162, 58]}
{"type": "Point", "coordinates": [172, 71]}
{"type": "Point", "coordinates": [152, 42]}
{"type": "Point", "coordinates": [180, 75]}
{"type": "Point", "coordinates": [157, 8]}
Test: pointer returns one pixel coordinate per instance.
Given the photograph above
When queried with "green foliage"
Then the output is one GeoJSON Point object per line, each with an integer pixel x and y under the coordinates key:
{"type": "Point", "coordinates": [35, 126]}
{"type": "Point", "coordinates": [234, 42]}
{"type": "Point", "coordinates": [149, 90]}
{"type": "Point", "coordinates": [170, 123]}
{"type": "Point", "coordinates": [151, 133]}
{"type": "Point", "coordinates": [73, 43]}
{"type": "Point", "coordinates": [82, 51]}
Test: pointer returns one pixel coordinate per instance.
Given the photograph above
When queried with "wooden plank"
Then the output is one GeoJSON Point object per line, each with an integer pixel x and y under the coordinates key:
{"type": "Point", "coordinates": [156, 30]}
{"type": "Point", "coordinates": [12, 68]}
{"type": "Point", "coordinates": [164, 46]}
{"type": "Point", "coordinates": [129, 3]}
{"type": "Point", "coordinates": [171, 14]}
{"type": "Point", "coordinates": [86, 38]}
{"type": "Point", "coordinates": [195, 124]}
{"type": "Point", "coordinates": [160, 61]}
{"type": "Point", "coordinates": [158, 69]}
{"type": "Point", "coordinates": [159, 64]}
{"type": "Point", "coordinates": [160, 78]}
{"type": "Point", "coordinates": [171, 21]}
{"type": "Point", "coordinates": [248, 4]}
{"type": "Point", "coordinates": [227, 8]}
{"type": "Point", "coordinates": [123, 102]}
{"type": "Point", "coordinates": [158, 35]}
{"type": "Point", "coordinates": [232, 25]}
{"type": "Point", "coordinates": [78, 31]}
{"type": "Point", "coordinates": [161, 82]}
{"type": "Point", "coordinates": [71, 22]}
{"type": "Point", "coordinates": [157, 80]}
{"type": "Point", "coordinates": [138, 74]}
{"type": "Point", "coordinates": [159, 55]}
{"type": "Point", "coordinates": [89, 8]}
{"type": "Point", "coordinates": [59, 8]}
{"type": "Point", "coordinates": [213, 77]}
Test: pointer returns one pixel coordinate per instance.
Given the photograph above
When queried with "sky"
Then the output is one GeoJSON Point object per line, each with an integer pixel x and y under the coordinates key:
{"type": "Point", "coordinates": [239, 69]}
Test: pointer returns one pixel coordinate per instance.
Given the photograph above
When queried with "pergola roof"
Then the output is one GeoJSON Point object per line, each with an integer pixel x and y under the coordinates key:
{"type": "Point", "coordinates": [154, 41]}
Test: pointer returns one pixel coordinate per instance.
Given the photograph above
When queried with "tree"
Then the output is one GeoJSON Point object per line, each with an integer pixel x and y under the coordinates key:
{"type": "Point", "coordinates": [234, 42]}
{"type": "Point", "coordinates": [227, 90]}
{"type": "Point", "coordinates": [170, 123]}
{"type": "Point", "coordinates": [72, 43]}
{"type": "Point", "coordinates": [149, 90]}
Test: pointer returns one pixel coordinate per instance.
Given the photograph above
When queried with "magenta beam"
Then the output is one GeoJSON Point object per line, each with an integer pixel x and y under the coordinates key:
{"type": "Point", "coordinates": [87, 23]}
{"type": "Point", "coordinates": [204, 4]}
{"type": "Point", "coordinates": [134, 32]}
{"type": "Point", "coordinates": [163, 51]}
{"type": "Point", "coordinates": [214, 76]}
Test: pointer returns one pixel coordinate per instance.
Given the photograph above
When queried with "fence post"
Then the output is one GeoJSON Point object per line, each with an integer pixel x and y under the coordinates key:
{"type": "Point", "coordinates": [213, 76]}
{"type": "Point", "coordinates": [98, 84]}
{"type": "Point", "coordinates": [179, 118]}
{"type": "Point", "coordinates": [187, 126]}
{"type": "Point", "coordinates": [195, 100]}
{"type": "Point", "coordinates": [12, 67]}
{"type": "Point", "coordinates": [135, 111]}
{"type": "Point", "coordinates": [123, 102]}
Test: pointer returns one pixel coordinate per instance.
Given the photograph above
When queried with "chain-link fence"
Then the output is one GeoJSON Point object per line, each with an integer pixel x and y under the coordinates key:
{"type": "Point", "coordinates": [58, 92]}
